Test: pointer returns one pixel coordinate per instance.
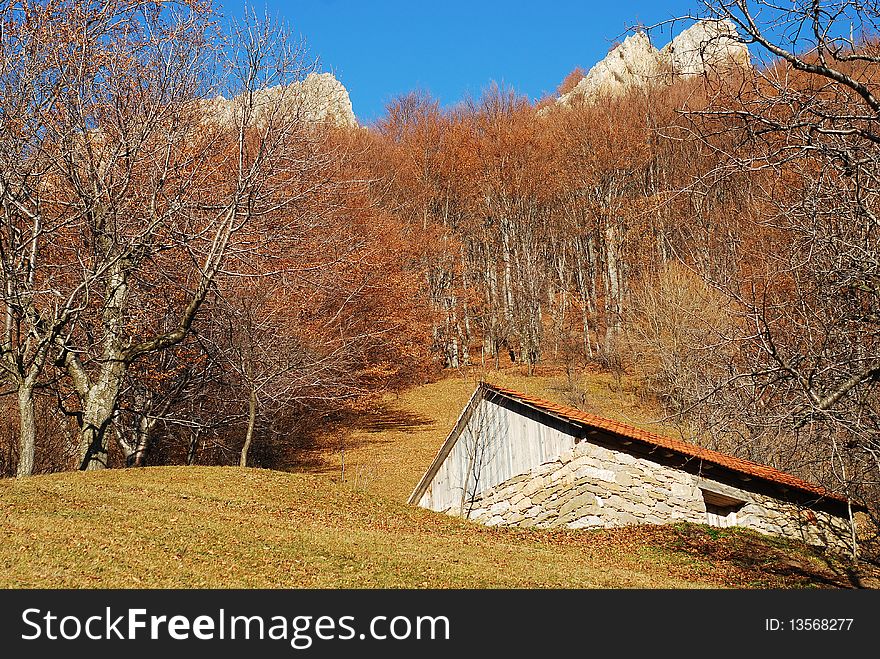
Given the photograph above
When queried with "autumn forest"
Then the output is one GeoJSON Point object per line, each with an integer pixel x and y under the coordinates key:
{"type": "Point", "coordinates": [193, 280]}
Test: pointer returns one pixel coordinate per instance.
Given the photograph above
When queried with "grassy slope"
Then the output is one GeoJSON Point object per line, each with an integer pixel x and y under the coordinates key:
{"type": "Point", "coordinates": [232, 527]}
{"type": "Point", "coordinates": [393, 445]}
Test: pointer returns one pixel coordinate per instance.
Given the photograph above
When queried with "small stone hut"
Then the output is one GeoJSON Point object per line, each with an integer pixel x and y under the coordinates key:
{"type": "Point", "coordinates": [516, 460]}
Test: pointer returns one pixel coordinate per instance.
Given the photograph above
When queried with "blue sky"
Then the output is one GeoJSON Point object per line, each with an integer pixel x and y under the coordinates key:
{"type": "Point", "coordinates": [385, 48]}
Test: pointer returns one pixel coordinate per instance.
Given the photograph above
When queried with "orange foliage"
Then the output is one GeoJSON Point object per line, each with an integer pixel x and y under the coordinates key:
{"type": "Point", "coordinates": [570, 81]}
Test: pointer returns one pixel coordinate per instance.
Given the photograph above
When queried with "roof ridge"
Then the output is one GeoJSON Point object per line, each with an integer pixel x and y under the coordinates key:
{"type": "Point", "coordinates": [742, 465]}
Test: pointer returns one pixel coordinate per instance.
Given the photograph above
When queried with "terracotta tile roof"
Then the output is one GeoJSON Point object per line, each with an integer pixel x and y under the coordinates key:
{"type": "Point", "coordinates": [746, 467]}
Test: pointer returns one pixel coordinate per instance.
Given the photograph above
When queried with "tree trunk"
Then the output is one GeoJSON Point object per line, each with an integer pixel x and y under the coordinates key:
{"type": "Point", "coordinates": [27, 431]}
{"type": "Point", "coordinates": [93, 448]}
{"type": "Point", "coordinates": [582, 275]}
{"type": "Point", "coordinates": [507, 259]}
{"type": "Point", "coordinates": [491, 338]}
{"type": "Point", "coordinates": [612, 292]}
{"type": "Point", "coordinates": [140, 455]}
{"type": "Point", "coordinates": [192, 451]}
{"type": "Point", "coordinates": [252, 420]}
{"type": "Point", "coordinates": [100, 406]}
{"type": "Point", "coordinates": [136, 453]}
{"type": "Point", "coordinates": [452, 330]}
{"type": "Point", "coordinates": [100, 398]}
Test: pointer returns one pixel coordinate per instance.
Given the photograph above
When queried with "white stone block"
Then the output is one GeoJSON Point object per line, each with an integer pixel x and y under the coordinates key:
{"type": "Point", "coordinates": [599, 474]}
{"type": "Point", "coordinates": [499, 508]}
{"type": "Point", "coordinates": [585, 522]}
{"type": "Point", "coordinates": [535, 485]}
{"type": "Point", "coordinates": [684, 491]}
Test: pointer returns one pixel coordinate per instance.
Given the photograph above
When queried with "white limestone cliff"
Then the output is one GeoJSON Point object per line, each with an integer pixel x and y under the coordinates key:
{"type": "Point", "coordinates": [635, 63]}
{"type": "Point", "coordinates": [705, 46]}
{"type": "Point", "coordinates": [318, 98]}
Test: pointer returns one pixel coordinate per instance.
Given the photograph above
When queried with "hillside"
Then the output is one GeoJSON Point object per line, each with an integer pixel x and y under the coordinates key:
{"type": "Point", "coordinates": [390, 446]}
{"type": "Point", "coordinates": [221, 527]}
{"type": "Point", "coordinates": [246, 528]}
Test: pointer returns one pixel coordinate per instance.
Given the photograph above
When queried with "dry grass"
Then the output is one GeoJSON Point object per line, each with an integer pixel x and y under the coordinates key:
{"type": "Point", "coordinates": [247, 528]}
{"type": "Point", "coordinates": [391, 446]}
{"type": "Point", "coordinates": [212, 527]}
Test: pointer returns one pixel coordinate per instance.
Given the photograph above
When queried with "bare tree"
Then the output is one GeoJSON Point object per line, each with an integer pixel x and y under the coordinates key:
{"type": "Point", "coordinates": [43, 288]}
{"type": "Point", "coordinates": [167, 189]}
{"type": "Point", "coordinates": [801, 384]}
{"type": "Point", "coordinates": [26, 92]}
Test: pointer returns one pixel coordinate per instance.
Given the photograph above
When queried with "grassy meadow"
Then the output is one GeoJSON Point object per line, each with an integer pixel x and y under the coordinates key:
{"type": "Point", "coordinates": [325, 527]}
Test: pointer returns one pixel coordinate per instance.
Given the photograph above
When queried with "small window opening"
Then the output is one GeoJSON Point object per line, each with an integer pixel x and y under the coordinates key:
{"type": "Point", "coordinates": [721, 509]}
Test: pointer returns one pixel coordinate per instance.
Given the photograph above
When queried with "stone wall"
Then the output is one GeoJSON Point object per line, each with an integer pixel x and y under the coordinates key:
{"type": "Point", "coordinates": [591, 486]}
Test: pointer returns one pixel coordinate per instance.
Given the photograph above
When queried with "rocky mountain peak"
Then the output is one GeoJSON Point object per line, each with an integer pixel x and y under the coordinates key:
{"type": "Point", "coordinates": [705, 46]}
{"type": "Point", "coordinates": [327, 99]}
{"type": "Point", "coordinates": [632, 63]}
{"type": "Point", "coordinates": [636, 63]}
{"type": "Point", "coordinates": [317, 98]}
